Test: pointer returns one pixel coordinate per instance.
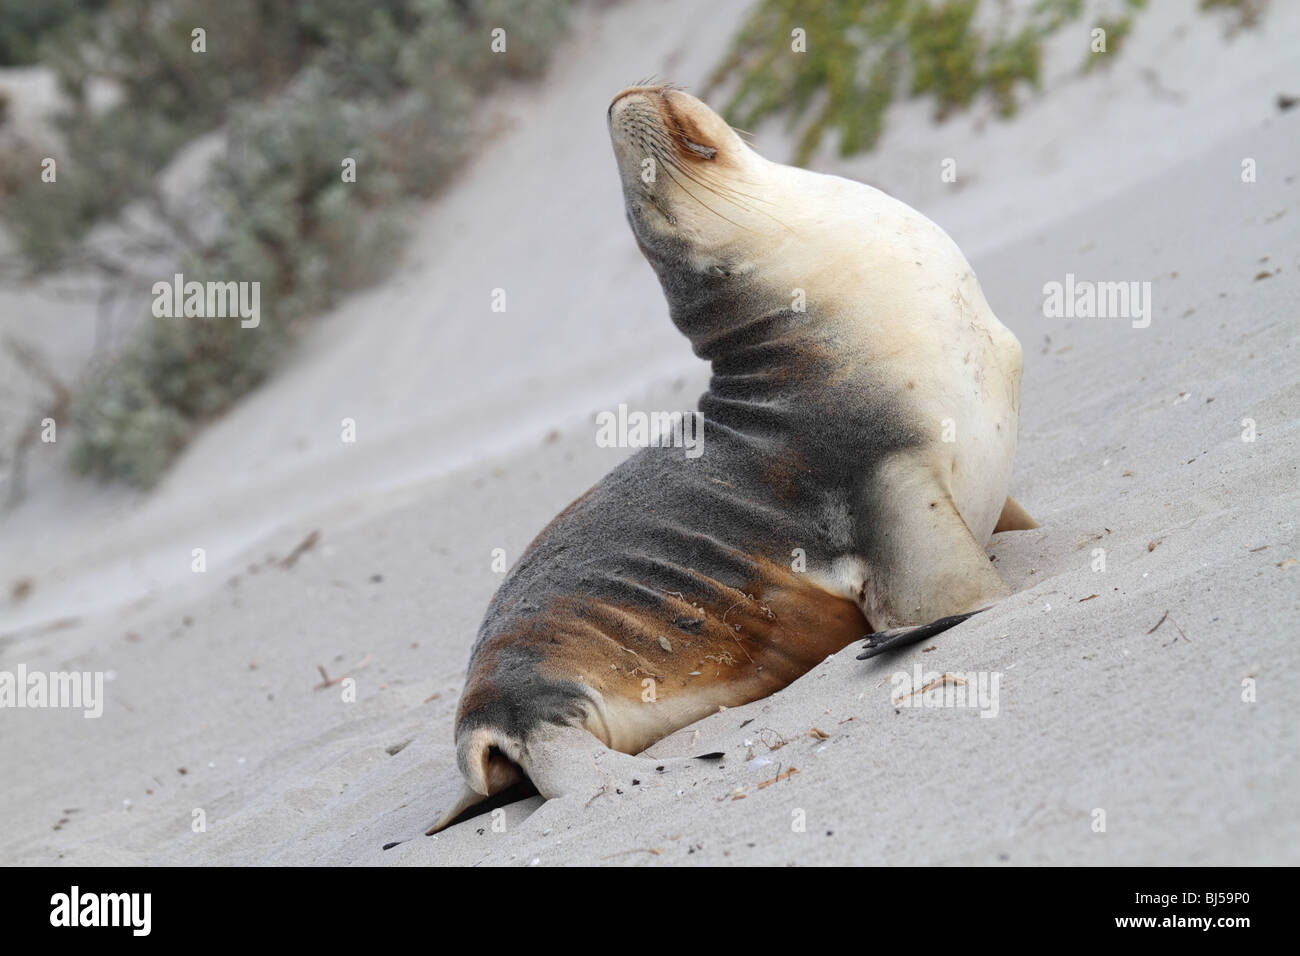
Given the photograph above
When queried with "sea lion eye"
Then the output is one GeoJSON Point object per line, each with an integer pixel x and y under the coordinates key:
{"type": "Point", "coordinates": [704, 152]}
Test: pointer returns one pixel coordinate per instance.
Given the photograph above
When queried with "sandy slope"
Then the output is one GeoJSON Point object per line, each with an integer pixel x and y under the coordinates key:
{"type": "Point", "coordinates": [1129, 437]}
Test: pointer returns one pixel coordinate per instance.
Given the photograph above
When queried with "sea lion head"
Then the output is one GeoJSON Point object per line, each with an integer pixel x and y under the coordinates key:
{"type": "Point", "coordinates": [696, 195]}
{"type": "Point", "coordinates": [728, 232]}
{"type": "Point", "coordinates": [685, 174]}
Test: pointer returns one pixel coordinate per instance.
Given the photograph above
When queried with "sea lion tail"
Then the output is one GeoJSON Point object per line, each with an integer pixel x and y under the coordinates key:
{"type": "Point", "coordinates": [558, 759]}
{"type": "Point", "coordinates": [487, 758]}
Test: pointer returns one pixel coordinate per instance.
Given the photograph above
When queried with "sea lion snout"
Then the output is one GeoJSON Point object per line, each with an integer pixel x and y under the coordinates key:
{"type": "Point", "coordinates": [644, 116]}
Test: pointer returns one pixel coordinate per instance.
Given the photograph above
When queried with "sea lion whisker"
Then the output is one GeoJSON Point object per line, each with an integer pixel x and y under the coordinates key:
{"type": "Point", "coordinates": [722, 191]}
{"type": "Point", "coordinates": [704, 204]}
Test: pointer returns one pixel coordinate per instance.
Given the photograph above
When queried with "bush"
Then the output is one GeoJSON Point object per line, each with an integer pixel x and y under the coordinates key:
{"type": "Point", "coordinates": [24, 22]}
{"type": "Point", "coordinates": [294, 89]}
{"type": "Point", "coordinates": [861, 53]}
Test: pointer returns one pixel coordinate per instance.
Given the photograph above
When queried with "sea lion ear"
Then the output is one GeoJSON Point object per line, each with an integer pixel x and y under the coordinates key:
{"type": "Point", "coordinates": [724, 267]}
{"type": "Point", "coordinates": [725, 260]}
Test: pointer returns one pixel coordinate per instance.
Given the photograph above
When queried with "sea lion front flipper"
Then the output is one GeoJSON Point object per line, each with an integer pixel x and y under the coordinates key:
{"type": "Point", "coordinates": [922, 563]}
{"type": "Point", "coordinates": [1014, 518]}
{"type": "Point", "coordinates": [897, 637]}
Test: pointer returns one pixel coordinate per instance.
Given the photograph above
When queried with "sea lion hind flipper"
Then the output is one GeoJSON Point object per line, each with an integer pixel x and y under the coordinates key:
{"type": "Point", "coordinates": [558, 760]}
{"type": "Point", "coordinates": [466, 799]}
{"type": "Point", "coordinates": [487, 759]}
{"type": "Point", "coordinates": [897, 637]}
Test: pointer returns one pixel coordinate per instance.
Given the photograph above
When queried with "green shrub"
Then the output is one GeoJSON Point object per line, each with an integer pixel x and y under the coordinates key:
{"type": "Point", "coordinates": [24, 22]}
{"type": "Point", "coordinates": [293, 89]}
{"type": "Point", "coordinates": [861, 53]}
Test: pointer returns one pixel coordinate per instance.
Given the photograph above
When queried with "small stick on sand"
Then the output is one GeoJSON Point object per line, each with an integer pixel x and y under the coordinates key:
{"type": "Point", "coordinates": [327, 681]}
{"type": "Point", "coordinates": [785, 774]}
{"type": "Point", "coordinates": [306, 544]}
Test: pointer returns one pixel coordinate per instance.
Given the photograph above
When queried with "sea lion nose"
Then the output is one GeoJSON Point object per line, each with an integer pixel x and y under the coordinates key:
{"type": "Point", "coordinates": [631, 91]}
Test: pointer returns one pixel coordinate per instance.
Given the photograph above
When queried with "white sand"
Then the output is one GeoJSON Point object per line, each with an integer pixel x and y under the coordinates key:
{"type": "Point", "coordinates": [1121, 447]}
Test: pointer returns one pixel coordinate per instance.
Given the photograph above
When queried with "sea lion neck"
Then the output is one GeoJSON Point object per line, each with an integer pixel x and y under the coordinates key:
{"type": "Point", "coordinates": [717, 309]}
{"type": "Point", "coordinates": [765, 363]}
{"type": "Point", "coordinates": [763, 376]}
{"type": "Point", "coordinates": [756, 343]}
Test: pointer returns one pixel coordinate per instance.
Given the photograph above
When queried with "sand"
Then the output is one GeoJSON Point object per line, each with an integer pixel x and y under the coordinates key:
{"type": "Point", "coordinates": [475, 428]}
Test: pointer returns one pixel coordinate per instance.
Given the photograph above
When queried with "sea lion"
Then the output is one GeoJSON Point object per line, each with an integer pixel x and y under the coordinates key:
{"type": "Point", "coordinates": [860, 425]}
